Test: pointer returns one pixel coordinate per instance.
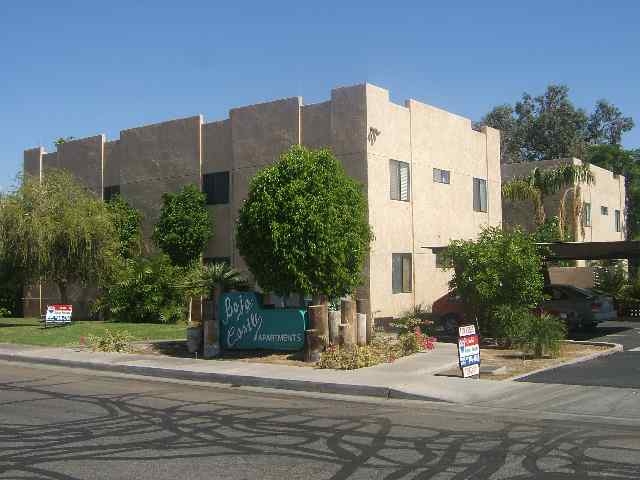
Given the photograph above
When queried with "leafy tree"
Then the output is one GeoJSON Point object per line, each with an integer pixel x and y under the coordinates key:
{"type": "Point", "coordinates": [127, 222]}
{"type": "Point", "coordinates": [549, 126]}
{"type": "Point", "coordinates": [607, 124]}
{"type": "Point", "coordinates": [184, 227]}
{"type": "Point", "coordinates": [501, 117]}
{"type": "Point", "coordinates": [304, 226]}
{"type": "Point", "coordinates": [146, 289]}
{"type": "Point", "coordinates": [55, 230]}
{"type": "Point", "coordinates": [500, 268]}
{"type": "Point", "coordinates": [540, 183]}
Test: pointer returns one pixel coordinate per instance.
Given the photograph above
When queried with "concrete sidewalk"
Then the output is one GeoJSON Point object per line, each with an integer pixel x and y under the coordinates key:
{"type": "Point", "coordinates": [407, 378]}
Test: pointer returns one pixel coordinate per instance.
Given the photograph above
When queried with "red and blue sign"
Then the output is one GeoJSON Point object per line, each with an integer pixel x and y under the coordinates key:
{"type": "Point", "coordinates": [469, 350]}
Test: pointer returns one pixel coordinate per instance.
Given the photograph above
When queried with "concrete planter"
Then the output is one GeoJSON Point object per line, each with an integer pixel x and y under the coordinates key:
{"type": "Point", "coordinates": [194, 337]}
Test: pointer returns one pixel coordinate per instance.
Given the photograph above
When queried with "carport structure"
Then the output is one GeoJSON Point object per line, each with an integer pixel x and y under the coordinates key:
{"type": "Point", "coordinates": [618, 250]}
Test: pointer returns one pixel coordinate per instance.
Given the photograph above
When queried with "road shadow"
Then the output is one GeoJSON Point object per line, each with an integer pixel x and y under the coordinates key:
{"type": "Point", "coordinates": [139, 432]}
{"type": "Point", "coordinates": [597, 332]}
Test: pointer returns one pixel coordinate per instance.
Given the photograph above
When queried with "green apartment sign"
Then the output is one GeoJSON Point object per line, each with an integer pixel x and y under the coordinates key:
{"type": "Point", "coordinates": [246, 325]}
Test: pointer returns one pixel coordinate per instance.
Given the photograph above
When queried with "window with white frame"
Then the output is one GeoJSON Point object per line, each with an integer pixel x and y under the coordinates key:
{"type": "Point", "coordinates": [479, 195]}
{"type": "Point", "coordinates": [400, 180]}
{"type": "Point", "coordinates": [586, 214]}
{"type": "Point", "coordinates": [618, 221]}
{"type": "Point", "coordinates": [441, 176]}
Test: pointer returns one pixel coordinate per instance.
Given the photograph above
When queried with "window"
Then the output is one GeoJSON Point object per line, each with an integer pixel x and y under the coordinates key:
{"type": "Point", "coordinates": [441, 261]}
{"type": "Point", "coordinates": [212, 260]}
{"type": "Point", "coordinates": [586, 214]}
{"type": "Point", "coordinates": [479, 195]}
{"type": "Point", "coordinates": [110, 192]}
{"type": "Point", "coordinates": [618, 221]}
{"type": "Point", "coordinates": [401, 272]}
{"type": "Point", "coordinates": [441, 176]}
{"type": "Point", "coordinates": [216, 187]}
{"type": "Point", "coordinates": [400, 181]}
{"type": "Point", "coordinates": [604, 210]}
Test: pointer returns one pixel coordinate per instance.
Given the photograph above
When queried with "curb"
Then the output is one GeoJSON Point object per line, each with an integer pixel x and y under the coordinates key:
{"type": "Point", "coordinates": [231, 379]}
{"type": "Point", "coordinates": [615, 348]}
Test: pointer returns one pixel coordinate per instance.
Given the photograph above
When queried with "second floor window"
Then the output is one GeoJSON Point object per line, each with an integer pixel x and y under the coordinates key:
{"type": "Point", "coordinates": [110, 192]}
{"type": "Point", "coordinates": [479, 195]}
{"type": "Point", "coordinates": [604, 210]}
{"type": "Point", "coordinates": [618, 220]}
{"type": "Point", "coordinates": [400, 180]}
{"type": "Point", "coordinates": [586, 214]}
{"type": "Point", "coordinates": [216, 187]}
{"type": "Point", "coordinates": [441, 176]}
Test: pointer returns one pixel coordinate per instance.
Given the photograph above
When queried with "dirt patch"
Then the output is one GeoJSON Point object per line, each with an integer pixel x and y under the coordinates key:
{"type": "Point", "coordinates": [179, 349]}
{"type": "Point", "coordinates": [501, 363]}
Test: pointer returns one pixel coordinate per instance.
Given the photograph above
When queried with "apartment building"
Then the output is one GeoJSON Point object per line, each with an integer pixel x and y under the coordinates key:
{"type": "Point", "coordinates": [428, 176]}
{"type": "Point", "coordinates": [602, 204]}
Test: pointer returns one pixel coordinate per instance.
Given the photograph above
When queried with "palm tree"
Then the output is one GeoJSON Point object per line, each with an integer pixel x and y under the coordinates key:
{"type": "Point", "coordinates": [209, 281]}
{"type": "Point", "coordinates": [540, 183]}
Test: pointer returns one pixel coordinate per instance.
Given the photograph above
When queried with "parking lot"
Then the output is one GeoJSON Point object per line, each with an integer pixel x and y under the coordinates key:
{"type": "Point", "coordinates": [616, 370]}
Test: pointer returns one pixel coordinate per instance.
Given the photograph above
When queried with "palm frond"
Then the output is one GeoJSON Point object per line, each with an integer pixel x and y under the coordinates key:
{"type": "Point", "coordinates": [519, 189]}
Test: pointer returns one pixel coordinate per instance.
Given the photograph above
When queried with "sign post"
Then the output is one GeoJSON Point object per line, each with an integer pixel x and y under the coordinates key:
{"type": "Point", "coordinates": [58, 315]}
{"type": "Point", "coordinates": [469, 351]}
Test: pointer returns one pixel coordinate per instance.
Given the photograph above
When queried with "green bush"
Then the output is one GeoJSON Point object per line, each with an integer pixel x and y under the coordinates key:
{"type": "Point", "coordinates": [111, 341]}
{"type": "Point", "coordinates": [350, 358]}
{"type": "Point", "coordinates": [417, 317]}
{"type": "Point", "coordinates": [304, 226]}
{"type": "Point", "coordinates": [4, 312]}
{"type": "Point", "coordinates": [499, 268]}
{"type": "Point", "coordinates": [148, 290]}
{"type": "Point", "coordinates": [539, 335]}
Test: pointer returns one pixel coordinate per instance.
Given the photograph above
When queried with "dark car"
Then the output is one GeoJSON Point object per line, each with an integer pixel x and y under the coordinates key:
{"type": "Point", "coordinates": [583, 308]}
{"type": "Point", "coordinates": [578, 307]}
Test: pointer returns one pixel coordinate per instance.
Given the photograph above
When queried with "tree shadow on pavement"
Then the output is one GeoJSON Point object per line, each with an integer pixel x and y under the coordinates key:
{"type": "Point", "coordinates": [139, 431]}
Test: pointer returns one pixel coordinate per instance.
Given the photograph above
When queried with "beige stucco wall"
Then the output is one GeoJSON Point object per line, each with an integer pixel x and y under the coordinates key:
{"type": "Point", "coordinates": [84, 157]}
{"type": "Point", "coordinates": [425, 137]}
{"type": "Point", "coordinates": [112, 163]}
{"type": "Point", "coordinates": [159, 158]}
{"type": "Point", "coordinates": [608, 190]}
{"type": "Point", "coordinates": [217, 156]}
{"type": "Point", "coordinates": [150, 160]}
{"type": "Point", "coordinates": [578, 276]}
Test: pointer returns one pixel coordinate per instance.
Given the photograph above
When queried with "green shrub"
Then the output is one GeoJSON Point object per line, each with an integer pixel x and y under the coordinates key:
{"type": "Point", "coordinates": [350, 358]}
{"type": "Point", "coordinates": [148, 290]}
{"type": "Point", "coordinates": [111, 341]}
{"type": "Point", "coordinates": [417, 317]}
{"type": "Point", "coordinates": [4, 312]}
{"type": "Point", "coordinates": [381, 349]}
{"type": "Point", "coordinates": [539, 335]}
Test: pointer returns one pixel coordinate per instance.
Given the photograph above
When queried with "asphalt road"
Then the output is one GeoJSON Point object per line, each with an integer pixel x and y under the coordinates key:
{"type": "Point", "coordinates": [65, 424]}
{"type": "Point", "coordinates": [617, 370]}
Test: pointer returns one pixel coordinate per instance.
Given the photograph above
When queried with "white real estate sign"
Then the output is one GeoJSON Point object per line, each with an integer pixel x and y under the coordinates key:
{"type": "Point", "coordinates": [469, 351]}
{"type": "Point", "coordinates": [58, 314]}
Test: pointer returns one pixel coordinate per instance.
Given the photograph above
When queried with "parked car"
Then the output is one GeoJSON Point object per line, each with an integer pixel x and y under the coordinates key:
{"type": "Point", "coordinates": [584, 308]}
{"type": "Point", "coordinates": [448, 312]}
{"type": "Point", "coordinates": [578, 307]}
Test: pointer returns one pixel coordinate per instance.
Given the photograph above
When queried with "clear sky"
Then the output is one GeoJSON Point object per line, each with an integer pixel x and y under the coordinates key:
{"type": "Point", "coordinates": [78, 68]}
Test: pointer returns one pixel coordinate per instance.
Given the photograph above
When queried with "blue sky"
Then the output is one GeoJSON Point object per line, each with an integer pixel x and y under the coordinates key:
{"type": "Point", "coordinates": [80, 67]}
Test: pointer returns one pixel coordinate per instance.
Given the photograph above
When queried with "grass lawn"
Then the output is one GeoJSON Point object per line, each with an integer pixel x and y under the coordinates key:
{"type": "Point", "coordinates": [29, 331]}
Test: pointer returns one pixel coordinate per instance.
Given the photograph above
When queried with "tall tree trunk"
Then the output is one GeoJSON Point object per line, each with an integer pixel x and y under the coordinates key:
{"type": "Point", "coordinates": [64, 295]}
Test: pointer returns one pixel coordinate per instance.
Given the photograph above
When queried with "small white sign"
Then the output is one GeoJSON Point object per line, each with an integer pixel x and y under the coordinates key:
{"type": "Point", "coordinates": [471, 370]}
{"type": "Point", "coordinates": [466, 330]}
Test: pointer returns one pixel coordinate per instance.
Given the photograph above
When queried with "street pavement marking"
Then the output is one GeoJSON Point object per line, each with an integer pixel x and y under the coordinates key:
{"type": "Point", "coordinates": [637, 349]}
